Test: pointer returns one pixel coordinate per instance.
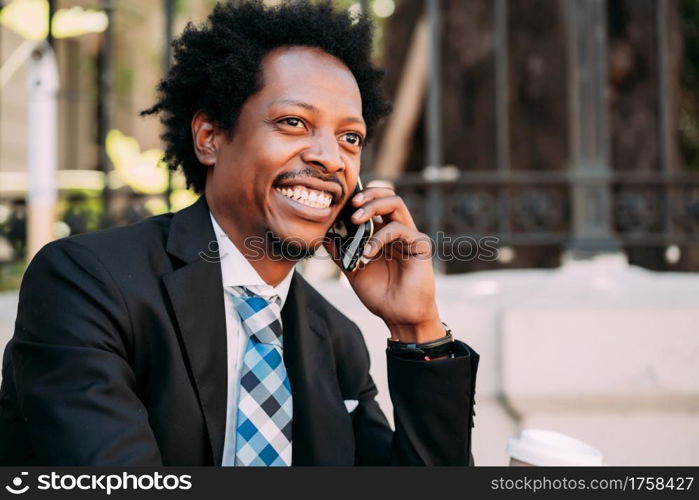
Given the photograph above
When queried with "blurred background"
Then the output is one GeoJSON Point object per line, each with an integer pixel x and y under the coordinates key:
{"type": "Point", "coordinates": [562, 133]}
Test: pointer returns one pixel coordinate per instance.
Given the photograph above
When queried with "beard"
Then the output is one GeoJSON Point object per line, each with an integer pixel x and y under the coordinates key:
{"type": "Point", "coordinates": [288, 248]}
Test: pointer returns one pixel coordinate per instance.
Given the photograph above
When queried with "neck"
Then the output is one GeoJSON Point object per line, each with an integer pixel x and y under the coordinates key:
{"type": "Point", "coordinates": [272, 272]}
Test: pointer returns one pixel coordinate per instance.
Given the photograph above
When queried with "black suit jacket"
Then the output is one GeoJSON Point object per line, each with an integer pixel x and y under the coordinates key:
{"type": "Point", "coordinates": [119, 358]}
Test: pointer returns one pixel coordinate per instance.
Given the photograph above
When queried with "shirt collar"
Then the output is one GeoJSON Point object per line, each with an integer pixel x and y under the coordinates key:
{"type": "Point", "coordinates": [236, 270]}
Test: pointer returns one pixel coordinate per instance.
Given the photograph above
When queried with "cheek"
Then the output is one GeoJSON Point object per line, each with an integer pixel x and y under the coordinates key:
{"type": "Point", "coordinates": [233, 178]}
{"type": "Point", "coordinates": [352, 173]}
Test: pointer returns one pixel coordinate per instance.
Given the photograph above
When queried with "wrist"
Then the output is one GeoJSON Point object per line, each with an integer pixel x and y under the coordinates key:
{"type": "Point", "coordinates": [417, 333]}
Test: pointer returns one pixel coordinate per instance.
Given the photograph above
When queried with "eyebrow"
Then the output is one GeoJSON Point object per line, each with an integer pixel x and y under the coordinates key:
{"type": "Point", "coordinates": [313, 109]}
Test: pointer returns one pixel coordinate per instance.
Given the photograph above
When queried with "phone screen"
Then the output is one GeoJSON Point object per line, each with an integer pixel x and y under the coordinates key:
{"type": "Point", "coordinates": [349, 237]}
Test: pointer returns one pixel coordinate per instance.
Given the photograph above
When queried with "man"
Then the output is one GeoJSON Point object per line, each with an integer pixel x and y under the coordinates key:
{"type": "Point", "coordinates": [148, 345]}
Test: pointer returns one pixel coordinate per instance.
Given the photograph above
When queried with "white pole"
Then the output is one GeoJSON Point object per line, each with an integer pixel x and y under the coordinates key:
{"type": "Point", "coordinates": [42, 89]}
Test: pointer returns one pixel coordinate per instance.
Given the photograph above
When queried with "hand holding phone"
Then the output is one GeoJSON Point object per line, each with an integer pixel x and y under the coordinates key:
{"type": "Point", "coordinates": [397, 283]}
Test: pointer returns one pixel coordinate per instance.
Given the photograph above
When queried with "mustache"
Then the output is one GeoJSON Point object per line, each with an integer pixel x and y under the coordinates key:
{"type": "Point", "coordinates": [311, 172]}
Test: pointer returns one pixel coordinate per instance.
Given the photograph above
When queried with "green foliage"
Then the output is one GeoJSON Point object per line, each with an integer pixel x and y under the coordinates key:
{"type": "Point", "coordinates": [81, 210]}
{"type": "Point", "coordinates": [11, 275]}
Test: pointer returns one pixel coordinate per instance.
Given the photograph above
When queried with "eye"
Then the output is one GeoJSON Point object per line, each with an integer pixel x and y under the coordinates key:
{"type": "Point", "coordinates": [291, 121]}
{"type": "Point", "coordinates": [353, 138]}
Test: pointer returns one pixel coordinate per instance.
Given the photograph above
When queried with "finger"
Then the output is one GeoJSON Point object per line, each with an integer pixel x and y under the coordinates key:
{"type": "Point", "coordinates": [392, 208]}
{"type": "Point", "coordinates": [381, 183]}
{"type": "Point", "coordinates": [398, 240]}
{"type": "Point", "coordinates": [371, 193]}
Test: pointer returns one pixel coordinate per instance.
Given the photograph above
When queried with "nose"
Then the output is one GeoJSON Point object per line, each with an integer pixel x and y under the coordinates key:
{"type": "Point", "coordinates": [325, 153]}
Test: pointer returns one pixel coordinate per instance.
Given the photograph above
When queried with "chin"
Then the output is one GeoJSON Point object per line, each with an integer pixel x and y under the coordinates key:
{"type": "Point", "coordinates": [293, 246]}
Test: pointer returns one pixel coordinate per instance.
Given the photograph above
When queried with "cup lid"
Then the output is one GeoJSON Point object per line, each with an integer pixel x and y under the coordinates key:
{"type": "Point", "coordinates": [547, 448]}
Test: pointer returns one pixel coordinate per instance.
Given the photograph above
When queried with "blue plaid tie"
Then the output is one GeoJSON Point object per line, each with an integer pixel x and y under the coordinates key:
{"type": "Point", "coordinates": [264, 401]}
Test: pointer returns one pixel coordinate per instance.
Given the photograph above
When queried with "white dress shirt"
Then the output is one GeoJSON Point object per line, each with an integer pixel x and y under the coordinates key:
{"type": "Point", "coordinates": [237, 271]}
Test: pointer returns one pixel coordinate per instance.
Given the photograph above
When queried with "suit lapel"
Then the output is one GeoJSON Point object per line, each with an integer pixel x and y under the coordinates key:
{"type": "Point", "coordinates": [196, 292]}
{"type": "Point", "coordinates": [322, 429]}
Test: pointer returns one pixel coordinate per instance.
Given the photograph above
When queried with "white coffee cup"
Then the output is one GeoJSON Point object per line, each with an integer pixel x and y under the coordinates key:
{"type": "Point", "coordinates": [540, 447]}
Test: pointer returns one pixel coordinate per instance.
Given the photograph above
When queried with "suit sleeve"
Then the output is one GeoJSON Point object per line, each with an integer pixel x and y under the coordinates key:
{"type": "Point", "coordinates": [433, 411]}
{"type": "Point", "coordinates": [75, 389]}
{"type": "Point", "coordinates": [433, 408]}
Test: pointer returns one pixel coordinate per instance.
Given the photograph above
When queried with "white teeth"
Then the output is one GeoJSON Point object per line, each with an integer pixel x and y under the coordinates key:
{"type": "Point", "coordinates": [308, 197]}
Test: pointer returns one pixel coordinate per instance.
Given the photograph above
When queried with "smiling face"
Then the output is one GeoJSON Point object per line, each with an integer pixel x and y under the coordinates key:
{"type": "Point", "coordinates": [293, 159]}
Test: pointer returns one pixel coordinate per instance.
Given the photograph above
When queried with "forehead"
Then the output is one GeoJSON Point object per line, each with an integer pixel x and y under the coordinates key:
{"type": "Point", "coordinates": [309, 75]}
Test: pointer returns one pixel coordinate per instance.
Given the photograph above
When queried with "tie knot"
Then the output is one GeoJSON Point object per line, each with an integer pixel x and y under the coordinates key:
{"type": "Point", "coordinates": [261, 317]}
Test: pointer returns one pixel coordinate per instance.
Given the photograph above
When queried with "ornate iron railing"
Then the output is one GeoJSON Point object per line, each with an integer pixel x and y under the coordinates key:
{"type": "Point", "coordinates": [534, 208]}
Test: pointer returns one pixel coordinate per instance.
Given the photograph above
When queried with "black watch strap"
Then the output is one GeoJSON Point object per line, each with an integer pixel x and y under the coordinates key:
{"type": "Point", "coordinates": [443, 346]}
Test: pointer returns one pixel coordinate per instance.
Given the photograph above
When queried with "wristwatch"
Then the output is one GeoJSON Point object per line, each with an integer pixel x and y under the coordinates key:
{"type": "Point", "coordinates": [427, 351]}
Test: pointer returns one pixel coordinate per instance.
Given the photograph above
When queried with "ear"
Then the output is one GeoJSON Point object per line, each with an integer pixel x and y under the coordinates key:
{"type": "Point", "coordinates": [204, 134]}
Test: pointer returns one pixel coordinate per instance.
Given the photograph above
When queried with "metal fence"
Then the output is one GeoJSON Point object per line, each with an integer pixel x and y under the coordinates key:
{"type": "Point", "coordinates": [588, 208]}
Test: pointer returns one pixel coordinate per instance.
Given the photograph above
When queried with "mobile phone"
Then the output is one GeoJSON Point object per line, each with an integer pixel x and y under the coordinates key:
{"type": "Point", "coordinates": [349, 237]}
